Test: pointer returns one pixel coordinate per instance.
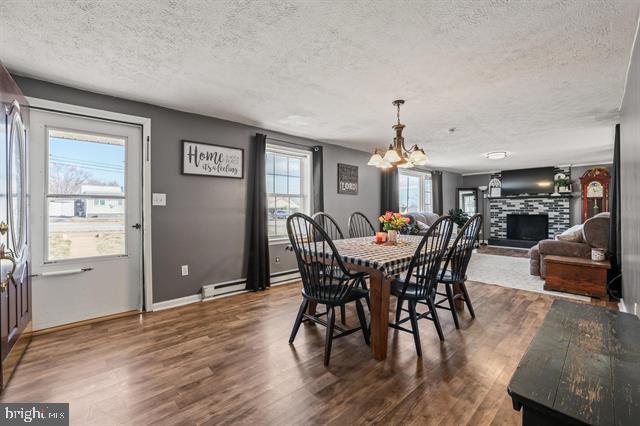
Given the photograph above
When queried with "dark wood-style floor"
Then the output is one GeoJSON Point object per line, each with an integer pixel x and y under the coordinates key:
{"type": "Point", "coordinates": [228, 361]}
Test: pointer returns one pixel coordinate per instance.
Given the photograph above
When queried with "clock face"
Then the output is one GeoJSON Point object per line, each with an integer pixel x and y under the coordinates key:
{"type": "Point", "coordinates": [595, 190]}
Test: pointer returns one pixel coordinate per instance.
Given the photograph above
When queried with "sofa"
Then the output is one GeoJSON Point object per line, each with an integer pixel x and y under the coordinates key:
{"type": "Point", "coordinates": [427, 218]}
{"type": "Point", "coordinates": [594, 234]}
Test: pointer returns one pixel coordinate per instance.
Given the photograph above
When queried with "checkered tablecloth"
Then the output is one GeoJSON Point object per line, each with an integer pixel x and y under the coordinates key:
{"type": "Point", "coordinates": [391, 260]}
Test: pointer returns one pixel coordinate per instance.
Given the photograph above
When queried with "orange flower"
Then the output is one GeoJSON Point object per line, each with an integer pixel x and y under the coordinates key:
{"type": "Point", "coordinates": [388, 216]}
{"type": "Point", "coordinates": [398, 215]}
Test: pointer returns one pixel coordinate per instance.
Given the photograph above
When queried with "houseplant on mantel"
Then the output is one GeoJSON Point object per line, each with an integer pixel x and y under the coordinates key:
{"type": "Point", "coordinates": [392, 223]}
{"type": "Point", "coordinates": [562, 184]}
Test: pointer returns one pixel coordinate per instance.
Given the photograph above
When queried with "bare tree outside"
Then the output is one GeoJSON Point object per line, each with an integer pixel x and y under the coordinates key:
{"type": "Point", "coordinates": [64, 179]}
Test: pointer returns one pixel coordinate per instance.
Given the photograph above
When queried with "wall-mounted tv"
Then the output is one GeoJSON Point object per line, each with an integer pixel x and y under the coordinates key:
{"type": "Point", "coordinates": [528, 181]}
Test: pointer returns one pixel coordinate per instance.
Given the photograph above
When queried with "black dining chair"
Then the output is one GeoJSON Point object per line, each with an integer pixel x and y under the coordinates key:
{"type": "Point", "coordinates": [421, 279]}
{"type": "Point", "coordinates": [329, 224]}
{"type": "Point", "coordinates": [331, 227]}
{"type": "Point", "coordinates": [325, 280]}
{"type": "Point", "coordinates": [359, 226]}
{"type": "Point", "coordinates": [454, 271]}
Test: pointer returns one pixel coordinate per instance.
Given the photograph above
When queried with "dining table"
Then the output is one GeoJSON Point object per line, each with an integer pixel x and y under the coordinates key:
{"type": "Point", "coordinates": [383, 263]}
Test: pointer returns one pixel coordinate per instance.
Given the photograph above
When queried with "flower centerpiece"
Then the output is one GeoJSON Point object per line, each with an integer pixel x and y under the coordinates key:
{"type": "Point", "coordinates": [392, 223]}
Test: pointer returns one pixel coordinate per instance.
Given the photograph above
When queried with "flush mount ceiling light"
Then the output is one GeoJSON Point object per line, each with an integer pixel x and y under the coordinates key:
{"type": "Point", "coordinates": [497, 155]}
{"type": "Point", "coordinates": [397, 155]}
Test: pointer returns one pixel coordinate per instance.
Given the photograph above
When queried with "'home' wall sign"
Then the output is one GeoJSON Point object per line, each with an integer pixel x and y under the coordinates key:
{"type": "Point", "coordinates": [212, 160]}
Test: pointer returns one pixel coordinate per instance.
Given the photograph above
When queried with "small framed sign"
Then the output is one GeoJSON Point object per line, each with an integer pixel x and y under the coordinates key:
{"type": "Point", "coordinates": [347, 179]}
{"type": "Point", "coordinates": [212, 160]}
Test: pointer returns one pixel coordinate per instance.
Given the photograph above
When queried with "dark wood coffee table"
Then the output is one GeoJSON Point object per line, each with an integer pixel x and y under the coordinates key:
{"type": "Point", "coordinates": [582, 367]}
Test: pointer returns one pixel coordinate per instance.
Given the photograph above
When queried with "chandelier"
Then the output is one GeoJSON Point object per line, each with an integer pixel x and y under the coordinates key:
{"type": "Point", "coordinates": [397, 155]}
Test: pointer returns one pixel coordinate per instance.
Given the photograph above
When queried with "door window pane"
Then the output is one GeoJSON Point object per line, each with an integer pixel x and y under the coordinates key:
{"type": "Point", "coordinates": [85, 164]}
{"type": "Point", "coordinates": [17, 198]}
{"type": "Point", "coordinates": [77, 228]}
{"type": "Point", "coordinates": [86, 196]}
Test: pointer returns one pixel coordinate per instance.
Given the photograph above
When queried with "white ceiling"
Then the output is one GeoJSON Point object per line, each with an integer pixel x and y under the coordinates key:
{"type": "Point", "coordinates": [541, 79]}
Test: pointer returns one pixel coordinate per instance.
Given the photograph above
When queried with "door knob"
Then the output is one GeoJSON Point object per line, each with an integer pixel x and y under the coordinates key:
{"type": "Point", "coordinates": [5, 256]}
{"type": "Point", "coordinates": [3, 228]}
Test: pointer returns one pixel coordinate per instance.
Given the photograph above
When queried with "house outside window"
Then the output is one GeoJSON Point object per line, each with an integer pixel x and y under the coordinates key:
{"type": "Point", "coordinates": [415, 191]}
{"type": "Point", "coordinates": [288, 177]}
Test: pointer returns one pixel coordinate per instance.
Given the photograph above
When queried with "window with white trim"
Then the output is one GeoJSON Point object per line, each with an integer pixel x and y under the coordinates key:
{"type": "Point", "coordinates": [415, 191]}
{"type": "Point", "coordinates": [288, 175]}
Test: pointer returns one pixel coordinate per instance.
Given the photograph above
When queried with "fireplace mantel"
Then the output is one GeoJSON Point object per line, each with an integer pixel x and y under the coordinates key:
{"type": "Point", "coordinates": [518, 197]}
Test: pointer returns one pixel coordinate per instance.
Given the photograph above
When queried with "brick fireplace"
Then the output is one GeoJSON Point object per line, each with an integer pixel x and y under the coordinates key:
{"type": "Point", "coordinates": [554, 209]}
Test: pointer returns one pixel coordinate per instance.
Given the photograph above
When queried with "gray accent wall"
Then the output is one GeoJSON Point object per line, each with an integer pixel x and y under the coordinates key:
{"type": "Point", "coordinates": [450, 183]}
{"type": "Point", "coordinates": [630, 184]}
{"type": "Point", "coordinates": [204, 222]}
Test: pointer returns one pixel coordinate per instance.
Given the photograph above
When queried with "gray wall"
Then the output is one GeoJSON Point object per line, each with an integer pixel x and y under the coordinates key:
{"type": "Point", "coordinates": [189, 230]}
{"type": "Point", "coordinates": [450, 182]}
{"type": "Point", "coordinates": [630, 184]}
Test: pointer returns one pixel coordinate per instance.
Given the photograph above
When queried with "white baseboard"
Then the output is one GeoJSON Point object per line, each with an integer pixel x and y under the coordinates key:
{"type": "Point", "coordinates": [181, 301]}
{"type": "Point", "coordinates": [290, 277]}
{"type": "Point", "coordinates": [628, 309]}
{"type": "Point", "coordinates": [224, 289]}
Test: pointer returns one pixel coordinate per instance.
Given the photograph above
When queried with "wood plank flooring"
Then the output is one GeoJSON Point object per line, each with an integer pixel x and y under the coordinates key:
{"type": "Point", "coordinates": [228, 361]}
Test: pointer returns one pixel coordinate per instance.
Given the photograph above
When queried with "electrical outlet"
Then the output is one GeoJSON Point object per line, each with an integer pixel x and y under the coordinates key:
{"type": "Point", "coordinates": [185, 270]}
{"type": "Point", "coordinates": [277, 259]}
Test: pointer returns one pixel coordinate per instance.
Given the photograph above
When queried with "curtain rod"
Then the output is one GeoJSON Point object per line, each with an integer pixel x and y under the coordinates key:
{"type": "Point", "coordinates": [310, 147]}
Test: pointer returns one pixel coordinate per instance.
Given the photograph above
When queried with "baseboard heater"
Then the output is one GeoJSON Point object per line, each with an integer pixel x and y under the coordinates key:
{"type": "Point", "coordinates": [236, 286]}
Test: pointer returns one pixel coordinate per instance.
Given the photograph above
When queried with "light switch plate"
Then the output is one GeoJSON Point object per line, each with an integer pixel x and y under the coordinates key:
{"type": "Point", "coordinates": [185, 270]}
{"type": "Point", "coordinates": [159, 199]}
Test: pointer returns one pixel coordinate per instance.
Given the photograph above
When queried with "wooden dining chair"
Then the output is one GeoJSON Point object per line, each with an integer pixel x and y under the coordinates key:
{"type": "Point", "coordinates": [421, 279]}
{"type": "Point", "coordinates": [454, 271]}
{"type": "Point", "coordinates": [359, 226]}
{"type": "Point", "coordinates": [325, 280]}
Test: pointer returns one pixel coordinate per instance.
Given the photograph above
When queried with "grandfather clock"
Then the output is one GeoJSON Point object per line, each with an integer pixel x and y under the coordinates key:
{"type": "Point", "coordinates": [595, 192]}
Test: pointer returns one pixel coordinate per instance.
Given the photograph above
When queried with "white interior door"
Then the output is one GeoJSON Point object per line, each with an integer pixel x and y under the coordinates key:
{"type": "Point", "coordinates": [85, 213]}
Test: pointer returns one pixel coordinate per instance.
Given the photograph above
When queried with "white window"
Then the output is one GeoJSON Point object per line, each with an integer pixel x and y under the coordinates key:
{"type": "Point", "coordinates": [288, 186]}
{"type": "Point", "coordinates": [415, 191]}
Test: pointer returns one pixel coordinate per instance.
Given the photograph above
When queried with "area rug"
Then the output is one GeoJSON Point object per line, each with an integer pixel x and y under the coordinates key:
{"type": "Point", "coordinates": [510, 272]}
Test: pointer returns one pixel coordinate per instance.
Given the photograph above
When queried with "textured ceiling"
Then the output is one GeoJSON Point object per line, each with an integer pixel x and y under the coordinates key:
{"type": "Point", "coordinates": [540, 79]}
